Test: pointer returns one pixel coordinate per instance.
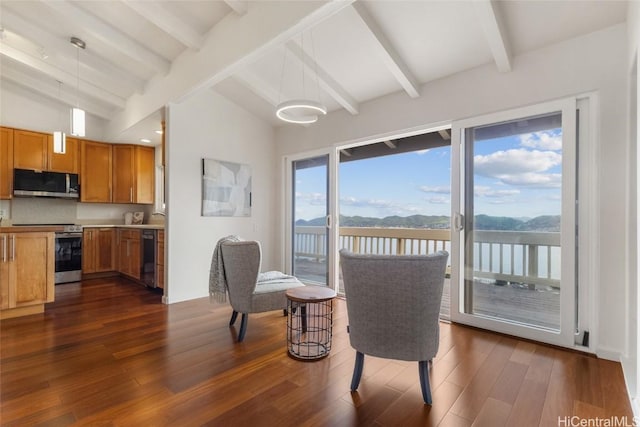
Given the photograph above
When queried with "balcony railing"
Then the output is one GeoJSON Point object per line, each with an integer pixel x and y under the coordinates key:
{"type": "Point", "coordinates": [531, 258]}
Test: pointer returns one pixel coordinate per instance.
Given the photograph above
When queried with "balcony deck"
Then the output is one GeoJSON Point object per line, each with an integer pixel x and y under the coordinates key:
{"type": "Point", "coordinates": [517, 303]}
{"type": "Point", "coordinates": [516, 273]}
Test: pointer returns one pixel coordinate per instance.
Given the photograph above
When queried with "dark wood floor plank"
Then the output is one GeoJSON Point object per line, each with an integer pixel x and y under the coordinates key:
{"type": "Point", "coordinates": [108, 352]}
{"type": "Point", "coordinates": [474, 397]}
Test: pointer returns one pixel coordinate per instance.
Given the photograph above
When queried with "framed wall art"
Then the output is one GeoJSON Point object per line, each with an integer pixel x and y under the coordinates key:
{"type": "Point", "coordinates": [226, 188]}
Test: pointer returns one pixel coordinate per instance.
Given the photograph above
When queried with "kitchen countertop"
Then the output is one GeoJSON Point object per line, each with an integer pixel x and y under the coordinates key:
{"type": "Point", "coordinates": [59, 228]}
{"type": "Point", "coordinates": [145, 226]}
{"type": "Point", "coordinates": [30, 228]}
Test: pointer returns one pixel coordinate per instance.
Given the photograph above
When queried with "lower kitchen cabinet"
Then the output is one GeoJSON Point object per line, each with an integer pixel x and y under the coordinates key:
{"type": "Point", "coordinates": [160, 260]}
{"type": "Point", "coordinates": [129, 251]}
{"type": "Point", "coordinates": [27, 264]}
{"type": "Point", "coordinates": [98, 250]}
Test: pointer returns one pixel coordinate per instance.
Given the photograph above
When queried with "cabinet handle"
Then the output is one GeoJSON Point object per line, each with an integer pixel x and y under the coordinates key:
{"type": "Point", "coordinates": [13, 248]}
{"type": "Point", "coordinates": [131, 194]}
{"type": "Point", "coordinates": [4, 248]}
{"type": "Point", "coordinates": [128, 247]}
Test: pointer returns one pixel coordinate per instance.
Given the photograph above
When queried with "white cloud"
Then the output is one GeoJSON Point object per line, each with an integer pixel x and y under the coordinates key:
{"type": "Point", "coordinates": [383, 207]}
{"type": "Point", "coordinates": [543, 140]}
{"type": "Point", "coordinates": [520, 167]}
{"type": "Point", "coordinates": [539, 180]}
{"type": "Point", "coordinates": [515, 161]}
{"type": "Point", "coordinates": [438, 189]}
{"type": "Point", "coordinates": [421, 152]}
{"type": "Point", "coordinates": [483, 191]}
{"type": "Point", "coordinates": [439, 200]}
{"type": "Point", "coordinates": [315, 199]}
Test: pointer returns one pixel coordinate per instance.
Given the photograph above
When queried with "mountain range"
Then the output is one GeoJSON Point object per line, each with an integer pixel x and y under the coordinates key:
{"type": "Point", "coordinates": [549, 223]}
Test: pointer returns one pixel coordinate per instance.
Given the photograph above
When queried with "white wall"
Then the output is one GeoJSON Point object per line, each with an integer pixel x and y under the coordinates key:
{"type": "Point", "coordinates": [22, 109]}
{"type": "Point", "coordinates": [208, 126]}
{"type": "Point", "coordinates": [595, 62]}
{"type": "Point", "coordinates": [630, 361]}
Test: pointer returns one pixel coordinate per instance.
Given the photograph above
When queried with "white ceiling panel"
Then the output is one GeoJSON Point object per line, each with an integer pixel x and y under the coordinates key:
{"type": "Point", "coordinates": [346, 50]}
{"type": "Point", "coordinates": [535, 24]}
{"type": "Point", "coordinates": [360, 51]}
{"type": "Point", "coordinates": [436, 38]}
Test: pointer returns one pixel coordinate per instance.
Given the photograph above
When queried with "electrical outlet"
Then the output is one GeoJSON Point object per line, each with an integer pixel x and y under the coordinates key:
{"type": "Point", "coordinates": [3, 213]}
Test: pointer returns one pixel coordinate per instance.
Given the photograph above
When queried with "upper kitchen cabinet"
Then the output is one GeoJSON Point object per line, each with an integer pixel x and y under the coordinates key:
{"type": "Point", "coordinates": [133, 174]}
{"type": "Point", "coordinates": [34, 150]}
{"type": "Point", "coordinates": [123, 173]}
{"type": "Point", "coordinates": [29, 150]}
{"type": "Point", "coordinates": [67, 162]}
{"type": "Point", "coordinates": [6, 163]}
{"type": "Point", "coordinates": [95, 172]}
{"type": "Point", "coordinates": [145, 169]}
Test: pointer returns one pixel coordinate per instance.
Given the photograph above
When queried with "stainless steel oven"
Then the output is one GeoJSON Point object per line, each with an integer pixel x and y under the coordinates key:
{"type": "Point", "coordinates": [69, 254]}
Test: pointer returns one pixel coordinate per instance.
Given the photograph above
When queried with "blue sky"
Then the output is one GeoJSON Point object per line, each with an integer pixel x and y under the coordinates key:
{"type": "Point", "coordinates": [516, 176]}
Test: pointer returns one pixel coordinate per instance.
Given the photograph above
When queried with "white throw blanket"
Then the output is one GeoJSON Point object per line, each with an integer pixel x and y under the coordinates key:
{"type": "Point", "coordinates": [217, 279]}
{"type": "Point", "coordinates": [275, 276]}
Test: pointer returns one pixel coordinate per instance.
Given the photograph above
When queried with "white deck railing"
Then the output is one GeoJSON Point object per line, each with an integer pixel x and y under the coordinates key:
{"type": "Point", "coordinates": [510, 256]}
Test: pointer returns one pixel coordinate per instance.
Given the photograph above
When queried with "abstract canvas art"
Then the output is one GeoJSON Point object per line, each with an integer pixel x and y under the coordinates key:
{"type": "Point", "coordinates": [226, 188]}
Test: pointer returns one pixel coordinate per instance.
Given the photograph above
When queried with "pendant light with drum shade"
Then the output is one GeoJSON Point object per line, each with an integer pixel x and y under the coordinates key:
{"type": "Point", "coordinates": [77, 114]}
{"type": "Point", "coordinates": [303, 110]}
{"type": "Point", "coordinates": [59, 138]}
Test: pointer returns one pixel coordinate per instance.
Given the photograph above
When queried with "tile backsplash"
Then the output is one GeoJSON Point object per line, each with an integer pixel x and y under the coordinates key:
{"type": "Point", "coordinates": [60, 211]}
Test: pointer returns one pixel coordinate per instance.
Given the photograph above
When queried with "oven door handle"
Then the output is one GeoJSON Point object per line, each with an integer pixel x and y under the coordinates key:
{"type": "Point", "coordinates": [68, 235]}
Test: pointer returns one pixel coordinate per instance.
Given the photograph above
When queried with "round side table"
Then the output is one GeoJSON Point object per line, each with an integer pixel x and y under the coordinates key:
{"type": "Point", "coordinates": [309, 322]}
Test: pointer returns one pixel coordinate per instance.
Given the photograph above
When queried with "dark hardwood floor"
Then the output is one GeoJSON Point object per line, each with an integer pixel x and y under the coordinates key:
{"type": "Point", "coordinates": [107, 352]}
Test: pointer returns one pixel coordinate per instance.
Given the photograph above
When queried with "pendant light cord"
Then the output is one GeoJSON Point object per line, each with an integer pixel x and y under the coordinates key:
{"type": "Point", "coordinates": [78, 77]}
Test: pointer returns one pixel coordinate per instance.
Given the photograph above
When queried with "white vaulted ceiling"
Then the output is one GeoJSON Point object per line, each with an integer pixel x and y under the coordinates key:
{"type": "Point", "coordinates": [141, 55]}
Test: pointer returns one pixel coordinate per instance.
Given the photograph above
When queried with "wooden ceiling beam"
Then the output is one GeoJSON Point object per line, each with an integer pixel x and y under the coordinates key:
{"type": "Point", "coordinates": [328, 83]}
{"type": "Point", "coordinates": [257, 86]}
{"type": "Point", "coordinates": [112, 76]}
{"type": "Point", "coordinates": [52, 91]}
{"type": "Point", "coordinates": [100, 30]}
{"type": "Point", "coordinates": [239, 6]}
{"type": "Point", "coordinates": [494, 30]}
{"type": "Point", "coordinates": [167, 22]}
{"type": "Point", "coordinates": [388, 53]}
{"type": "Point", "coordinates": [60, 75]}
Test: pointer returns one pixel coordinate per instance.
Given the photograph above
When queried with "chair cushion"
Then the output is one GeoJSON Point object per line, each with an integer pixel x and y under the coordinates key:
{"type": "Point", "coordinates": [277, 285]}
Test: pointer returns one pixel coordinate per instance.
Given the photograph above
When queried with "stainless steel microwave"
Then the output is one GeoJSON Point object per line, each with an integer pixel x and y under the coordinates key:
{"type": "Point", "coordinates": [34, 183]}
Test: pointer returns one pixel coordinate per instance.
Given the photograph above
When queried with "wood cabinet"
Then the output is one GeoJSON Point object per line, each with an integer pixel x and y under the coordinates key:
{"type": "Point", "coordinates": [34, 150]}
{"type": "Point", "coordinates": [95, 172]}
{"type": "Point", "coordinates": [98, 250]}
{"type": "Point", "coordinates": [145, 168]}
{"type": "Point", "coordinates": [129, 251]}
{"type": "Point", "coordinates": [27, 264]}
{"type": "Point", "coordinates": [133, 174]}
{"type": "Point", "coordinates": [6, 163]}
{"type": "Point", "coordinates": [29, 149]}
{"type": "Point", "coordinates": [123, 173]}
{"type": "Point", "coordinates": [160, 259]}
{"type": "Point", "coordinates": [69, 161]}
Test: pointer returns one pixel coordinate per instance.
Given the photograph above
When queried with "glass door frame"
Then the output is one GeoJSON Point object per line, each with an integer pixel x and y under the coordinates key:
{"type": "Point", "coordinates": [333, 228]}
{"type": "Point", "coordinates": [566, 336]}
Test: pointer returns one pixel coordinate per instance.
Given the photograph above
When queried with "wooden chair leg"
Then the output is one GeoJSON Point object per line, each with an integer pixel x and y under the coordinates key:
{"type": "Point", "coordinates": [423, 368]}
{"type": "Point", "coordinates": [357, 371]}
{"type": "Point", "coordinates": [243, 326]}
{"type": "Point", "coordinates": [234, 316]}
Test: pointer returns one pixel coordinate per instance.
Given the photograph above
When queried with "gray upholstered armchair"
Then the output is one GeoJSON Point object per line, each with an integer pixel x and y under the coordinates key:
{"type": "Point", "coordinates": [249, 290]}
{"type": "Point", "coordinates": [393, 304]}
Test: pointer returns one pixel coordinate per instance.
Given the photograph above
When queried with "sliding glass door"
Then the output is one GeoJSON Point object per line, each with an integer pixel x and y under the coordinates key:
{"type": "Point", "coordinates": [514, 235]}
{"type": "Point", "coordinates": [311, 220]}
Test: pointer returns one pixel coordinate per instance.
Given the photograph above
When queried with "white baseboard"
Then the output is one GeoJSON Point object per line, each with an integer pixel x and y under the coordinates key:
{"type": "Point", "coordinates": [609, 354]}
